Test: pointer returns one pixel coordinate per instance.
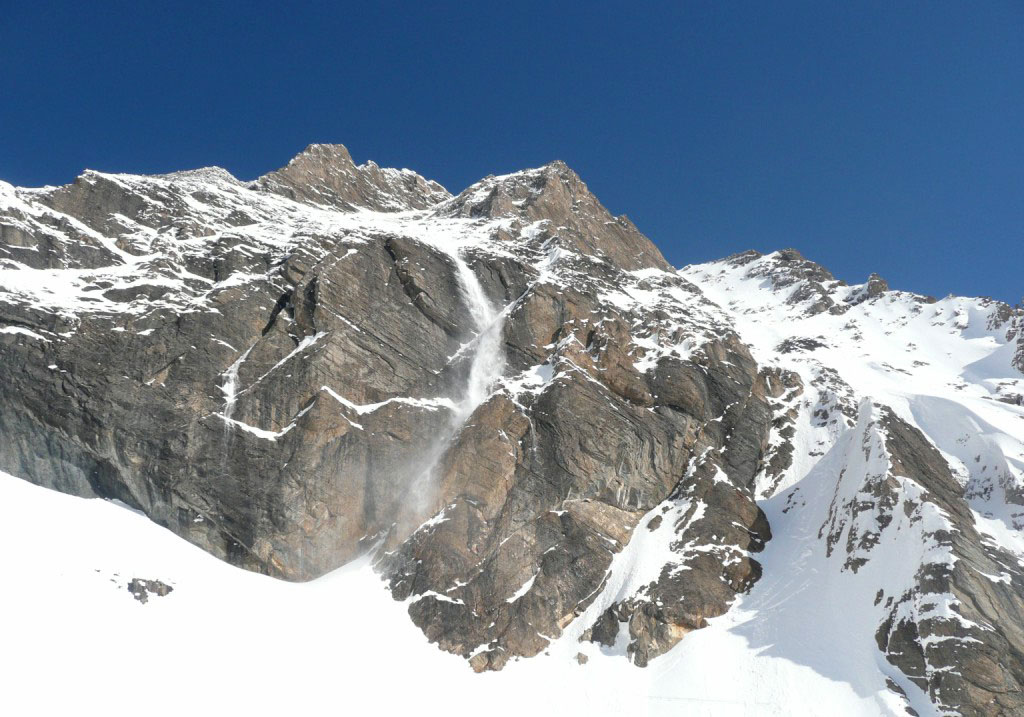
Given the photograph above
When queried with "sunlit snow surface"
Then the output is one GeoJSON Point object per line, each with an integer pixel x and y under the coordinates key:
{"type": "Point", "coordinates": [75, 641]}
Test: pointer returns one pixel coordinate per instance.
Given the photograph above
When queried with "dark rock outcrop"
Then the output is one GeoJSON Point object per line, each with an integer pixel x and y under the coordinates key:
{"type": "Point", "coordinates": [141, 589]}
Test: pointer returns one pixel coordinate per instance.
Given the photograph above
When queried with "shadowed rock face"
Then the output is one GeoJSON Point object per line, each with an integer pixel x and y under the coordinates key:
{"type": "Point", "coordinates": [280, 372]}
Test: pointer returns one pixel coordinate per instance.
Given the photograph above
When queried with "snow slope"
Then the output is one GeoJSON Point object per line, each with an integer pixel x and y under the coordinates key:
{"type": "Point", "coordinates": [229, 640]}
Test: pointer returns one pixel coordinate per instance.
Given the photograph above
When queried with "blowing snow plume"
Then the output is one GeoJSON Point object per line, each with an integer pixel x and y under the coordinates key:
{"type": "Point", "coordinates": [488, 360]}
{"type": "Point", "coordinates": [486, 365]}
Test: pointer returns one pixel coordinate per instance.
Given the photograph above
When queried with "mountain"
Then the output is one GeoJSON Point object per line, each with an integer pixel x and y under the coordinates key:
{"type": "Point", "coordinates": [547, 441]}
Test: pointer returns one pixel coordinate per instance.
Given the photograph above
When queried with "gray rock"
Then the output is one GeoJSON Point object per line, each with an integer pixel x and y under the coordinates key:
{"type": "Point", "coordinates": [141, 589]}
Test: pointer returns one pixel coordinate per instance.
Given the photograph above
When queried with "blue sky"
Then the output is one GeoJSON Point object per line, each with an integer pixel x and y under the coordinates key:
{"type": "Point", "coordinates": [882, 137]}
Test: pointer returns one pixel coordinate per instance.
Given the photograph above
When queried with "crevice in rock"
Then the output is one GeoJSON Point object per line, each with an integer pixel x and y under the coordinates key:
{"type": "Point", "coordinates": [282, 302]}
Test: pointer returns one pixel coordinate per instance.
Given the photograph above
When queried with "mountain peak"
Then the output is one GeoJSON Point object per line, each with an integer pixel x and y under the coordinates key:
{"type": "Point", "coordinates": [326, 175]}
{"type": "Point", "coordinates": [336, 155]}
{"type": "Point", "coordinates": [555, 194]}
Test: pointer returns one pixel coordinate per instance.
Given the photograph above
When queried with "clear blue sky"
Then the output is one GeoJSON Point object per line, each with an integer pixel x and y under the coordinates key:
{"type": "Point", "coordinates": [871, 136]}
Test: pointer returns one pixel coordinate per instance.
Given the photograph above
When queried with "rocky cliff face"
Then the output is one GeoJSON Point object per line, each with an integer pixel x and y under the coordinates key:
{"type": "Point", "coordinates": [538, 428]}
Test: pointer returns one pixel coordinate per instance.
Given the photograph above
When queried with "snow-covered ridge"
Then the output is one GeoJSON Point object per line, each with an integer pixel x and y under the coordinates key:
{"type": "Point", "coordinates": [914, 354]}
{"type": "Point", "coordinates": [141, 261]}
{"type": "Point", "coordinates": [67, 265]}
{"type": "Point", "coordinates": [838, 498]}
